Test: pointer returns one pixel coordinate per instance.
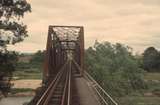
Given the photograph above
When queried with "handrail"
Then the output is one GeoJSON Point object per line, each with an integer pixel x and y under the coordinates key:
{"type": "Point", "coordinates": [101, 96]}
{"type": "Point", "coordinates": [96, 85]}
{"type": "Point", "coordinates": [45, 94]}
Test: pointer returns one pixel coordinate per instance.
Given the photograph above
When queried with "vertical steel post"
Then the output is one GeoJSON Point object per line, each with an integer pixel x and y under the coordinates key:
{"type": "Point", "coordinates": [82, 49]}
{"type": "Point", "coordinates": [47, 57]}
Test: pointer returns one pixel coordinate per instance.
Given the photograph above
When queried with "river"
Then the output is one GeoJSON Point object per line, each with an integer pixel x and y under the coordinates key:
{"type": "Point", "coordinates": [14, 100]}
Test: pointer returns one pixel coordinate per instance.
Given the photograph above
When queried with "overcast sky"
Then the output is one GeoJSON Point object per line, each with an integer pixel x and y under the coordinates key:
{"type": "Point", "coordinates": [132, 22]}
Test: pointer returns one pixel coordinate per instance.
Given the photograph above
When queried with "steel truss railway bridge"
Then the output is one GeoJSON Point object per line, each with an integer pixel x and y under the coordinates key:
{"type": "Point", "coordinates": [65, 82]}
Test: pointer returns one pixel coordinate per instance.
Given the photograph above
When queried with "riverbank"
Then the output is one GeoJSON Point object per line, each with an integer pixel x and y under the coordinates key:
{"type": "Point", "coordinates": [15, 100]}
{"type": "Point", "coordinates": [24, 88]}
{"type": "Point", "coordinates": [22, 94]}
{"type": "Point", "coordinates": [29, 83]}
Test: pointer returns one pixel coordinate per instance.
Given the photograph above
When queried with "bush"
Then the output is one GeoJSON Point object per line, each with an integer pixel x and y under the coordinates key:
{"type": "Point", "coordinates": [115, 68]}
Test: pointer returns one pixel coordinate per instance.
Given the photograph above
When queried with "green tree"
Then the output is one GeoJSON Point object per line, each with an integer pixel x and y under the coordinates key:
{"type": "Point", "coordinates": [115, 68]}
{"type": "Point", "coordinates": [7, 66]}
{"type": "Point", "coordinates": [38, 59]}
{"type": "Point", "coordinates": [151, 58]}
{"type": "Point", "coordinates": [12, 30]}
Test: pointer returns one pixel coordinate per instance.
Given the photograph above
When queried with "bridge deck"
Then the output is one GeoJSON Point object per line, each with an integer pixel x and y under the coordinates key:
{"type": "Point", "coordinates": [63, 68]}
{"type": "Point", "coordinates": [85, 93]}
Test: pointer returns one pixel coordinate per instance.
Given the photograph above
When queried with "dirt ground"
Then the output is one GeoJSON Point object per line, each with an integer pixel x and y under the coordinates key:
{"type": "Point", "coordinates": [32, 84]}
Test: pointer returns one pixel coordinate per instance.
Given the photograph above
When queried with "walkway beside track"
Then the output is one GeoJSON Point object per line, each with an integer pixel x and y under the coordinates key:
{"type": "Point", "coordinates": [85, 93]}
{"type": "Point", "coordinates": [65, 82]}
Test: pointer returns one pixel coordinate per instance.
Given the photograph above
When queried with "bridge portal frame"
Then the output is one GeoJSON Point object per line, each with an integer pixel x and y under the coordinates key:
{"type": "Point", "coordinates": [56, 57]}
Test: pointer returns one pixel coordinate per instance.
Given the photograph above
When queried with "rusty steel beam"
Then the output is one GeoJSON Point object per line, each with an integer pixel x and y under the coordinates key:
{"type": "Point", "coordinates": [82, 50]}
{"type": "Point", "coordinates": [65, 26]}
{"type": "Point", "coordinates": [47, 55]}
{"type": "Point", "coordinates": [60, 40]}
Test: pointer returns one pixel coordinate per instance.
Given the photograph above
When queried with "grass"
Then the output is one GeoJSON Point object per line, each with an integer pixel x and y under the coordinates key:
{"type": "Point", "coordinates": [130, 100]}
{"type": "Point", "coordinates": [21, 90]}
{"type": "Point", "coordinates": [153, 81]}
{"type": "Point", "coordinates": [32, 73]}
{"type": "Point", "coordinates": [152, 76]}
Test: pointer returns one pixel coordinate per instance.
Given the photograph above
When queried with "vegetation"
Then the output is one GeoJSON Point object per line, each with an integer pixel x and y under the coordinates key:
{"type": "Point", "coordinates": [151, 59]}
{"type": "Point", "coordinates": [32, 73]}
{"type": "Point", "coordinates": [152, 76]}
{"type": "Point", "coordinates": [17, 90]}
{"type": "Point", "coordinates": [38, 59]}
{"type": "Point", "coordinates": [12, 31]}
{"type": "Point", "coordinates": [138, 100]}
{"type": "Point", "coordinates": [7, 66]}
{"type": "Point", "coordinates": [115, 65]}
{"type": "Point", "coordinates": [123, 75]}
{"type": "Point", "coordinates": [30, 66]}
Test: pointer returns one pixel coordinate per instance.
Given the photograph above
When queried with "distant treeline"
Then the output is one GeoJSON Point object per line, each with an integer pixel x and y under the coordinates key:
{"type": "Point", "coordinates": [114, 66]}
{"type": "Point", "coordinates": [31, 60]}
{"type": "Point", "coordinates": [151, 60]}
{"type": "Point", "coordinates": [117, 69]}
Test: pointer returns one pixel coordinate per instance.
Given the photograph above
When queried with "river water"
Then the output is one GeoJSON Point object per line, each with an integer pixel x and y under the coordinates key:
{"type": "Point", "coordinates": [14, 100]}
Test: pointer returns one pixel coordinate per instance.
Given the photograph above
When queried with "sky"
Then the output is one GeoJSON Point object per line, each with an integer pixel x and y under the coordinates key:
{"type": "Point", "coordinates": [135, 23]}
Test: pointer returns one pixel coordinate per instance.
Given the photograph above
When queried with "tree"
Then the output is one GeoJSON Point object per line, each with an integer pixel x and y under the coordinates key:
{"type": "Point", "coordinates": [7, 66]}
{"type": "Point", "coordinates": [38, 59]}
{"type": "Point", "coordinates": [151, 58]}
{"type": "Point", "coordinates": [12, 30]}
{"type": "Point", "coordinates": [114, 68]}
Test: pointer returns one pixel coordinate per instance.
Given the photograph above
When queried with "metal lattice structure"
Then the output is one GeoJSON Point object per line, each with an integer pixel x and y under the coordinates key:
{"type": "Point", "coordinates": [64, 70]}
{"type": "Point", "coordinates": [62, 41]}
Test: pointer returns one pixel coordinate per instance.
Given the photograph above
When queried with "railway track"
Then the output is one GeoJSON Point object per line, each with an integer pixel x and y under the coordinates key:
{"type": "Point", "coordinates": [62, 89]}
{"type": "Point", "coordinates": [66, 44]}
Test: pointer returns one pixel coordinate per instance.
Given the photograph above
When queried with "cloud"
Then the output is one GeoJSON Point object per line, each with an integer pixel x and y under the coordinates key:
{"type": "Point", "coordinates": [133, 22]}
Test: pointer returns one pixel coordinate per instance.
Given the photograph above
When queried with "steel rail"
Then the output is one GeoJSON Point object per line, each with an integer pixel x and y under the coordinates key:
{"type": "Point", "coordinates": [63, 101]}
{"type": "Point", "coordinates": [47, 94]}
{"type": "Point", "coordinates": [95, 85]}
{"type": "Point", "coordinates": [66, 98]}
{"type": "Point", "coordinates": [69, 84]}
